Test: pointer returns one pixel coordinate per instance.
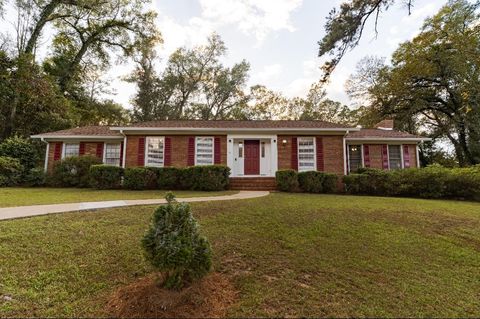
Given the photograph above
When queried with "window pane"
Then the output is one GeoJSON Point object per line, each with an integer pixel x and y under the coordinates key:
{"type": "Point", "coordinates": [154, 151]}
{"type": "Point", "coordinates": [306, 154]}
{"type": "Point", "coordinates": [204, 151]}
{"type": "Point", "coordinates": [355, 157]}
{"type": "Point", "coordinates": [112, 154]}
{"type": "Point", "coordinates": [72, 149]}
{"type": "Point", "coordinates": [395, 156]}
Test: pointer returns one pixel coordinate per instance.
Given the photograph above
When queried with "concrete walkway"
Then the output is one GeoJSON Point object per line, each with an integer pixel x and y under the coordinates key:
{"type": "Point", "coordinates": [35, 210]}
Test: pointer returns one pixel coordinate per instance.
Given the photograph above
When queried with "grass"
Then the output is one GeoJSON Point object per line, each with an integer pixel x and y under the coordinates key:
{"type": "Point", "coordinates": [23, 196]}
{"type": "Point", "coordinates": [287, 254]}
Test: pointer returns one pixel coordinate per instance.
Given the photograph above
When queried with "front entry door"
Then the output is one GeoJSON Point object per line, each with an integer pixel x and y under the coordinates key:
{"type": "Point", "coordinates": [252, 157]}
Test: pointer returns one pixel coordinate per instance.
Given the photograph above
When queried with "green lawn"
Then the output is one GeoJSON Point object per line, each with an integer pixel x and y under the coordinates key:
{"type": "Point", "coordinates": [287, 254]}
{"type": "Point", "coordinates": [19, 196]}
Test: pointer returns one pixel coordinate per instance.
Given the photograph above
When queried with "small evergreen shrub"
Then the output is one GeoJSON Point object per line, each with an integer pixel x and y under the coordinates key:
{"type": "Point", "coordinates": [208, 177]}
{"type": "Point", "coordinates": [35, 177]}
{"type": "Point", "coordinates": [174, 246]}
{"type": "Point", "coordinates": [168, 178]}
{"type": "Point", "coordinates": [106, 176]}
{"type": "Point", "coordinates": [287, 180]}
{"type": "Point", "coordinates": [139, 178]}
{"type": "Point", "coordinates": [10, 171]}
{"type": "Point", "coordinates": [73, 171]}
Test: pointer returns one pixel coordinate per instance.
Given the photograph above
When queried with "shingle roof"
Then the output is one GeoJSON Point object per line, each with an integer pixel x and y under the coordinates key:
{"type": "Point", "coordinates": [378, 133]}
{"type": "Point", "coordinates": [239, 124]}
{"type": "Point", "coordinates": [84, 131]}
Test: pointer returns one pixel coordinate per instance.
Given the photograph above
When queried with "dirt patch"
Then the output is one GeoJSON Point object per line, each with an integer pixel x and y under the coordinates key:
{"type": "Point", "coordinates": [210, 297]}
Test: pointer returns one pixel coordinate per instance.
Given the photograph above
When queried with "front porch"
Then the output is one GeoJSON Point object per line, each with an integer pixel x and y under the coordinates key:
{"type": "Point", "coordinates": [252, 155]}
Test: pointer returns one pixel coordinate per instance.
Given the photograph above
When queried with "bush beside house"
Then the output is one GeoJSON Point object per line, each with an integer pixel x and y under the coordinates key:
{"type": "Point", "coordinates": [73, 171]}
{"type": "Point", "coordinates": [106, 176]}
{"type": "Point", "coordinates": [309, 182]}
{"type": "Point", "coordinates": [10, 171]}
{"type": "Point", "coordinates": [431, 182]}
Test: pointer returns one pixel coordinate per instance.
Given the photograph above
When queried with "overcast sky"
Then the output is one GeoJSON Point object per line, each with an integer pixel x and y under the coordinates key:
{"type": "Point", "coordinates": [278, 37]}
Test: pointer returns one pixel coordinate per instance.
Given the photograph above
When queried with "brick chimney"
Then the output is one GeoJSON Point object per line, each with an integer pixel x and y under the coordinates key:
{"type": "Point", "coordinates": [385, 125]}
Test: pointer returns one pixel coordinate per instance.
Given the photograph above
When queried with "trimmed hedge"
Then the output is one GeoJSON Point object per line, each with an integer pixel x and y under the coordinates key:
{"type": "Point", "coordinates": [10, 171]}
{"type": "Point", "coordinates": [105, 176]}
{"type": "Point", "coordinates": [35, 177]}
{"type": "Point", "coordinates": [431, 182]}
{"type": "Point", "coordinates": [168, 178]}
{"type": "Point", "coordinates": [287, 180]}
{"type": "Point", "coordinates": [138, 178]}
{"type": "Point", "coordinates": [73, 171]}
{"type": "Point", "coordinates": [205, 178]}
{"type": "Point", "coordinates": [317, 182]}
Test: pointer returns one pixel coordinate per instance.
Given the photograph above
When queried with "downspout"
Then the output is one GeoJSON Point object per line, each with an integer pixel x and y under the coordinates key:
{"type": "Point", "coordinates": [124, 153]}
{"type": "Point", "coordinates": [344, 153]}
{"type": "Point", "coordinates": [418, 154]}
{"type": "Point", "coordinates": [45, 166]}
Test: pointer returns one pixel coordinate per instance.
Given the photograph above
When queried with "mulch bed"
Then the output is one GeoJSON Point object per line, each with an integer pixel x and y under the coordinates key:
{"type": "Point", "coordinates": [209, 297]}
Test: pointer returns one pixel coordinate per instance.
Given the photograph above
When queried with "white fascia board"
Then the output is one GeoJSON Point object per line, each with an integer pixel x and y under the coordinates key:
{"type": "Point", "coordinates": [388, 139]}
{"type": "Point", "coordinates": [77, 137]}
{"type": "Point", "coordinates": [227, 130]}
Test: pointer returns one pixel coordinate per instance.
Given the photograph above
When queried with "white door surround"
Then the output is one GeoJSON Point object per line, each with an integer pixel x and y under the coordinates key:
{"type": "Point", "coordinates": [268, 154]}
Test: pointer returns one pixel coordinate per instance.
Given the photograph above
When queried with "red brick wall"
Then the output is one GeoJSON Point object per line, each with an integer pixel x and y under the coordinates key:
{"type": "Point", "coordinates": [332, 149]}
{"type": "Point", "coordinates": [90, 149]}
{"type": "Point", "coordinates": [376, 155]}
{"type": "Point", "coordinates": [179, 150]}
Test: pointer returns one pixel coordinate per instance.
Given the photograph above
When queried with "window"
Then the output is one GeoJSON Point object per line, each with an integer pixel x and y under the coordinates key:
{"type": "Point", "coordinates": [306, 154]}
{"type": "Point", "coordinates": [354, 157]}
{"type": "Point", "coordinates": [394, 157]}
{"type": "Point", "coordinates": [240, 149]}
{"type": "Point", "coordinates": [71, 149]}
{"type": "Point", "coordinates": [204, 151]}
{"type": "Point", "coordinates": [155, 149]}
{"type": "Point", "coordinates": [112, 154]}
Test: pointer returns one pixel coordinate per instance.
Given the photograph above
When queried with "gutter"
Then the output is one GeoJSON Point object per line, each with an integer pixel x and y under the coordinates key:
{"type": "Point", "coordinates": [345, 153]}
{"type": "Point", "coordinates": [45, 165]}
{"type": "Point", "coordinates": [124, 151]}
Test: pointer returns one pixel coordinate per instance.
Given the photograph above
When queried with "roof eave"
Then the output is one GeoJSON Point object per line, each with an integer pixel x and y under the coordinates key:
{"type": "Point", "coordinates": [91, 137]}
{"type": "Point", "coordinates": [233, 129]}
{"type": "Point", "coordinates": [385, 139]}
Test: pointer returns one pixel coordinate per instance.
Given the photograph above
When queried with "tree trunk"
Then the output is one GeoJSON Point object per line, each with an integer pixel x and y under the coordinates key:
{"type": "Point", "coordinates": [37, 30]}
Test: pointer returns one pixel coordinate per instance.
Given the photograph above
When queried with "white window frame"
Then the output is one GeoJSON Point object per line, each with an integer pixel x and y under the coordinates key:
{"type": "Point", "coordinates": [401, 155]}
{"type": "Point", "coordinates": [314, 153]}
{"type": "Point", "coordinates": [147, 138]}
{"type": "Point", "coordinates": [213, 149]}
{"type": "Point", "coordinates": [64, 149]}
{"type": "Point", "coordinates": [105, 152]}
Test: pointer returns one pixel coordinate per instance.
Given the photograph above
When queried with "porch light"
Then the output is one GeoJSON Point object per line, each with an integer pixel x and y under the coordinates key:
{"type": "Point", "coordinates": [284, 142]}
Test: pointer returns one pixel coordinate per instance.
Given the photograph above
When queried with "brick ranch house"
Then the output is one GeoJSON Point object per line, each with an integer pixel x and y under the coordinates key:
{"type": "Point", "coordinates": [254, 150]}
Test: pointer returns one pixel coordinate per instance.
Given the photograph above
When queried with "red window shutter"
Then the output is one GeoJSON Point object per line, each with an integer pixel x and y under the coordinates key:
{"type": "Point", "coordinates": [385, 156]}
{"type": "Point", "coordinates": [141, 152]}
{"type": "Point", "coordinates": [294, 153]}
{"type": "Point", "coordinates": [366, 155]}
{"type": "Point", "coordinates": [406, 156]}
{"type": "Point", "coordinates": [168, 152]}
{"type": "Point", "coordinates": [320, 155]}
{"type": "Point", "coordinates": [191, 151]}
{"type": "Point", "coordinates": [217, 159]}
{"type": "Point", "coordinates": [121, 154]}
{"type": "Point", "coordinates": [57, 154]}
{"type": "Point", "coordinates": [81, 149]}
{"type": "Point", "coordinates": [99, 152]}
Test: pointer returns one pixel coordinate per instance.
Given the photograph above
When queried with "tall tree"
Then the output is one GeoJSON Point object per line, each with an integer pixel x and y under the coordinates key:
{"type": "Point", "coordinates": [195, 84]}
{"type": "Point", "coordinates": [434, 80]}
{"type": "Point", "coordinates": [344, 28]}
